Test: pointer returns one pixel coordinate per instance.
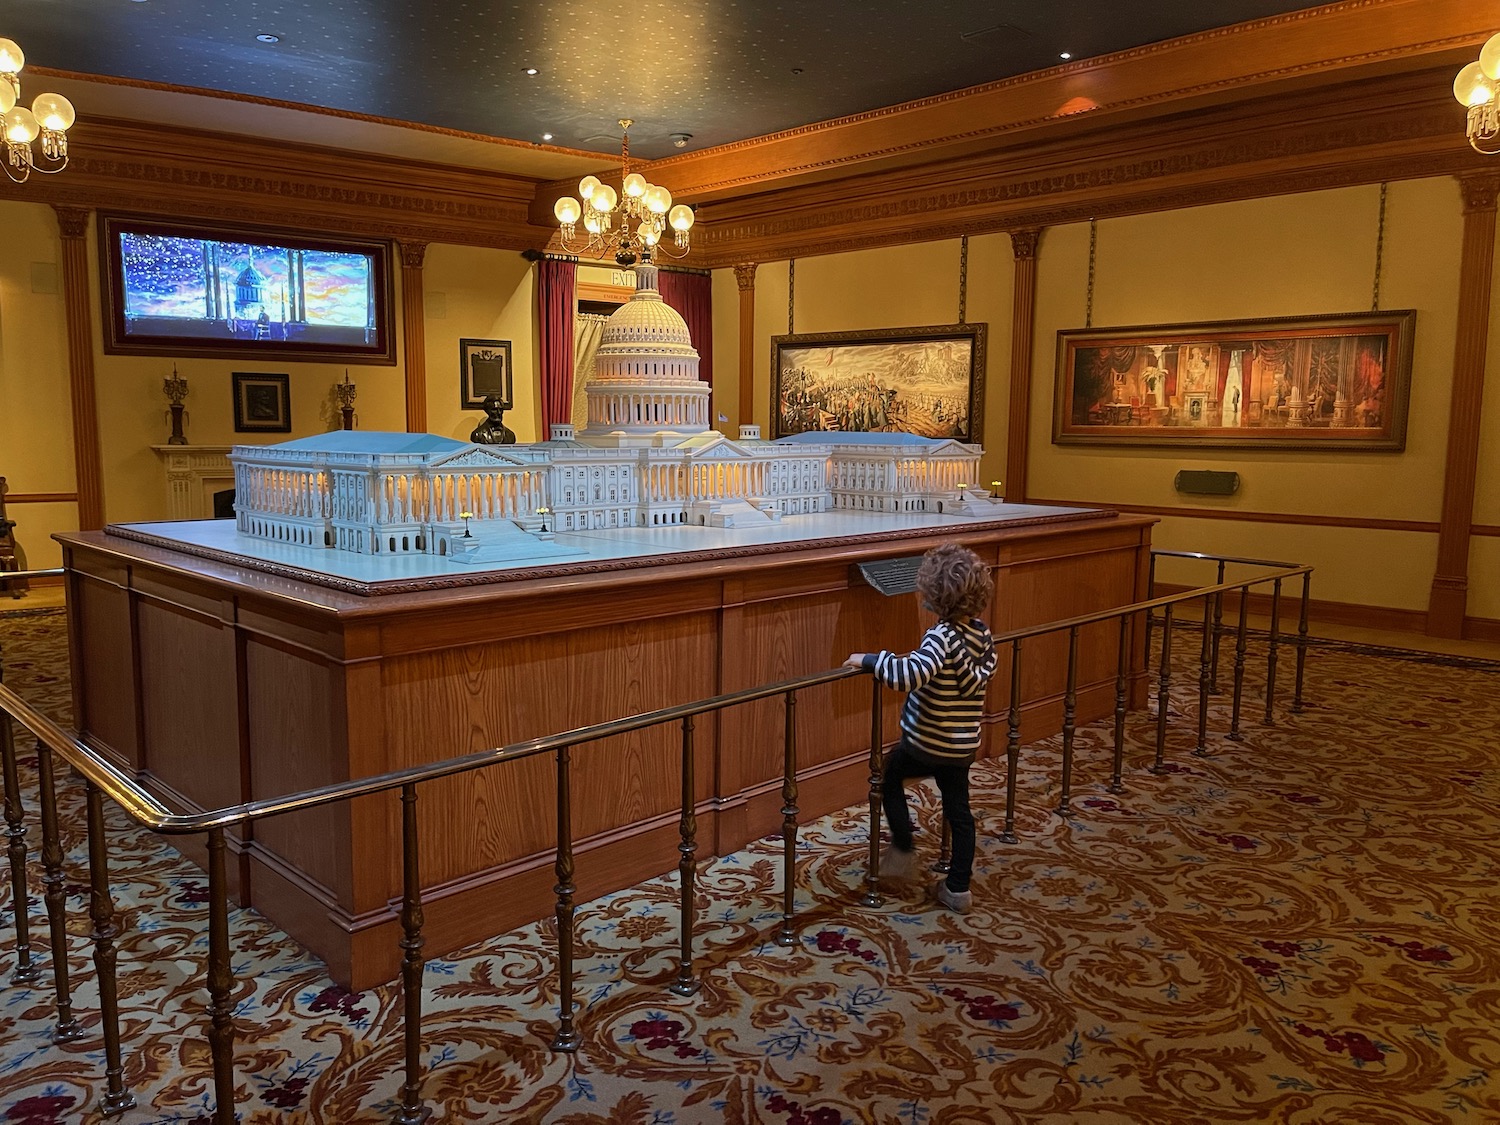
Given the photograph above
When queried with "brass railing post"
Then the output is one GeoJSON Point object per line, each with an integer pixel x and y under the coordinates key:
{"type": "Point", "coordinates": [1213, 683]}
{"type": "Point", "coordinates": [1012, 743]}
{"type": "Point", "coordinates": [1205, 675]}
{"type": "Point", "coordinates": [687, 867]}
{"type": "Point", "coordinates": [1164, 688]}
{"type": "Point", "coordinates": [1150, 594]}
{"type": "Point", "coordinates": [412, 1111]}
{"type": "Point", "coordinates": [1302, 641]}
{"type": "Point", "coordinates": [1239, 665]}
{"type": "Point", "coordinates": [1271, 654]}
{"type": "Point", "coordinates": [786, 935]}
{"type": "Point", "coordinates": [220, 982]}
{"type": "Point", "coordinates": [1070, 715]}
{"type": "Point", "coordinates": [944, 862]}
{"type": "Point", "coordinates": [116, 1098]}
{"type": "Point", "coordinates": [54, 881]}
{"type": "Point", "coordinates": [1121, 671]}
{"type": "Point", "coordinates": [27, 971]}
{"type": "Point", "coordinates": [872, 897]}
{"type": "Point", "coordinates": [566, 1038]}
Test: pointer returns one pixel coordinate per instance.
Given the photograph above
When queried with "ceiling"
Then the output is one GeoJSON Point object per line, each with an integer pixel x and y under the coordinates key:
{"type": "Point", "coordinates": [718, 71]}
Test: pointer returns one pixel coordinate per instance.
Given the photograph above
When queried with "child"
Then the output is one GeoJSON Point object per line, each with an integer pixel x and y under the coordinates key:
{"type": "Point", "coordinates": [945, 677]}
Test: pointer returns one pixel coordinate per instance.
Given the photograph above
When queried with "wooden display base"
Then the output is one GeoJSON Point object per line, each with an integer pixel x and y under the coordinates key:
{"type": "Point", "coordinates": [221, 684]}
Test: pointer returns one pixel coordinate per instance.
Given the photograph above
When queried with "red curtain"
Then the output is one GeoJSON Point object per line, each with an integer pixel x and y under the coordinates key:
{"type": "Point", "coordinates": [554, 298]}
{"type": "Point", "coordinates": [691, 294]}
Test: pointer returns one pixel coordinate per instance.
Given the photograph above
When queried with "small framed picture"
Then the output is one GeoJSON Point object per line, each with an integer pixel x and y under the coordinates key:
{"type": "Point", "coordinates": [484, 370]}
{"type": "Point", "coordinates": [262, 403]}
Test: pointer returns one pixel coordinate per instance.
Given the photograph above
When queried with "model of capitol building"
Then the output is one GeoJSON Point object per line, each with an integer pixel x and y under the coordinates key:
{"type": "Point", "coordinates": [646, 369]}
{"type": "Point", "coordinates": [646, 458]}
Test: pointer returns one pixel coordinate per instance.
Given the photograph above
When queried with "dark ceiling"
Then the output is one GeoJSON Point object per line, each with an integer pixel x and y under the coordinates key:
{"type": "Point", "coordinates": [720, 70]}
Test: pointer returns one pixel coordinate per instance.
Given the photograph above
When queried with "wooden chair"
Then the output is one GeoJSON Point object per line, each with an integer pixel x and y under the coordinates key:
{"type": "Point", "coordinates": [8, 561]}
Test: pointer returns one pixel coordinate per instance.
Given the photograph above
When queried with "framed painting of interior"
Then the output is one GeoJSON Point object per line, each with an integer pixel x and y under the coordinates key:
{"type": "Point", "coordinates": [242, 292]}
{"type": "Point", "coordinates": [1318, 382]}
{"type": "Point", "coordinates": [927, 381]}
{"type": "Point", "coordinates": [484, 370]}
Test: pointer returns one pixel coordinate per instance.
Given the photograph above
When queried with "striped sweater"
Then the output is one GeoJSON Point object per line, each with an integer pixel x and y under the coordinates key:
{"type": "Point", "coordinates": [945, 677]}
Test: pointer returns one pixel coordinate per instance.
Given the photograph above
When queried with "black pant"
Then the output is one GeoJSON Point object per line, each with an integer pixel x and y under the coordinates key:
{"type": "Point", "coordinates": [953, 784]}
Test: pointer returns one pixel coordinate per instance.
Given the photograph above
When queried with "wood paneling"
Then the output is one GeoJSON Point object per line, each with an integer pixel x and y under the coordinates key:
{"type": "Point", "coordinates": [294, 686]}
{"type": "Point", "coordinates": [414, 335]}
{"type": "Point", "coordinates": [1022, 331]}
{"type": "Point", "coordinates": [78, 306]}
{"type": "Point", "coordinates": [40, 497]}
{"type": "Point", "coordinates": [102, 648]}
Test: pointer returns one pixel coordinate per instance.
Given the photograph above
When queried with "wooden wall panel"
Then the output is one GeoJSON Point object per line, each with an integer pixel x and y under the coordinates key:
{"type": "Point", "coordinates": [189, 699]}
{"type": "Point", "coordinates": [481, 696]}
{"type": "Point", "coordinates": [104, 669]}
{"type": "Point", "coordinates": [295, 729]}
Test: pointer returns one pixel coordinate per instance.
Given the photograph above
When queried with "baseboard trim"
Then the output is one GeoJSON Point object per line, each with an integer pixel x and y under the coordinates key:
{"type": "Point", "coordinates": [1340, 613]}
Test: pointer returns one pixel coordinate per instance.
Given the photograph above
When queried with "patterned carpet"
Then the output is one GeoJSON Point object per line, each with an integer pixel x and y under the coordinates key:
{"type": "Point", "coordinates": [1304, 927]}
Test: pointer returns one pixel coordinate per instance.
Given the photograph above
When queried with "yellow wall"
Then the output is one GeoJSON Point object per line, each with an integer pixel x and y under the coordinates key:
{"type": "Point", "coordinates": [1286, 256]}
{"type": "Point", "coordinates": [476, 293]}
{"type": "Point", "coordinates": [36, 437]}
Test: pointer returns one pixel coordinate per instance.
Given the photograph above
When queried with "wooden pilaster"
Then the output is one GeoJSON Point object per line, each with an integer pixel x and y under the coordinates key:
{"type": "Point", "coordinates": [414, 335]}
{"type": "Point", "coordinates": [744, 274]}
{"type": "Point", "coordinates": [1450, 583]}
{"type": "Point", "coordinates": [73, 225]}
{"type": "Point", "coordinates": [1023, 319]}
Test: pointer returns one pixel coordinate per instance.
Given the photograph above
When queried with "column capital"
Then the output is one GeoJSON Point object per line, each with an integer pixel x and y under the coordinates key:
{"type": "Point", "coordinates": [744, 274]}
{"type": "Point", "coordinates": [1479, 190]}
{"type": "Point", "coordinates": [1023, 243]}
{"type": "Point", "coordinates": [72, 222]}
{"type": "Point", "coordinates": [413, 254]}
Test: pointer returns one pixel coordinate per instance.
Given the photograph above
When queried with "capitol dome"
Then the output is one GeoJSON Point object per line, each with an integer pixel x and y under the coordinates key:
{"type": "Point", "coordinates": [646, 369]}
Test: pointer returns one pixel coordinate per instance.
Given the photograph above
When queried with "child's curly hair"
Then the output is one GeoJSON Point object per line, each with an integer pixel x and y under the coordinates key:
{"type": "Point", "coordinates": [954, 582]}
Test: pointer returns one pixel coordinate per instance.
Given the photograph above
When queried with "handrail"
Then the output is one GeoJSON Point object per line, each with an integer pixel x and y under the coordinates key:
{"type": "Point", "coordinates": [103, 778]}
{"type": "Point", "coordinates": [27, 575]}
{"type": "Point", "coordinates": [1220, 558]}
{"type": "Point", "coordinates": [150, 813]}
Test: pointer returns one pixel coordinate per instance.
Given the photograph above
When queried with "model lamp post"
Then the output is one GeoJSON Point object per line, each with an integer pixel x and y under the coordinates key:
{"type": "Point", "coordinates": [995, 487]}
{"type": "Point", "coordinates": [176, 389]}
{"type": "Point", "coordinates": [543, 513]}
{"type": "Point", "coordinates": [466, 517]}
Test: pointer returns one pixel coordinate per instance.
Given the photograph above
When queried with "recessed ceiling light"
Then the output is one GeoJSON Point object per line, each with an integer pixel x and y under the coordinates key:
{"type": "Point", "coordinates": [530, 71]}
{"type": "Point", "coordinates": [1066, 55]}
{"type": "Point", "coordinates": [546, 136]}
{"type": "Point", "coordinates": [268, 38]}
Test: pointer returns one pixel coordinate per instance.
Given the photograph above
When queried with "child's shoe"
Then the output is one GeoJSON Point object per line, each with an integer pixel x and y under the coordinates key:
{"type": "Point", "coordinates": [897, 864]}
{"type": "Point", "coordinates": [957, 901]}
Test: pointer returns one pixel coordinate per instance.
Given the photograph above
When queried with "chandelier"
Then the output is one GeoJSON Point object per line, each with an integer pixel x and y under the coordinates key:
{"type": "Point", "coordinates": [629, 228]}
{"type": "Point", "coordinates": [50, 116]}
{"type": "Point", "coordinates": [1478, 88]}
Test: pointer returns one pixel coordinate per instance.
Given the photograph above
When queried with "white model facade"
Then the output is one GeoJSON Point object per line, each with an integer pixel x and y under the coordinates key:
{"type": "Point", "coordinates": [647, 458]}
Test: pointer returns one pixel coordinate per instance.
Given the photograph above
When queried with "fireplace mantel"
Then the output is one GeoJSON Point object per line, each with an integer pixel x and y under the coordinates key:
{"type": "Point", "coordinates": [194, 473]}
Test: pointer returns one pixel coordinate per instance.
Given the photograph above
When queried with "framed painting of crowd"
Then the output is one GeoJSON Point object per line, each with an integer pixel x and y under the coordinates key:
{"type": "Point", "coordinates": [927, 381]}
{"type": "Point", "coordinates": [1319, 382]}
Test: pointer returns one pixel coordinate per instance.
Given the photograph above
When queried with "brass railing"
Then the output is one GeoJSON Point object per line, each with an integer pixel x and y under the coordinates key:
{"type": "Point", "coordinates": [102, 778]}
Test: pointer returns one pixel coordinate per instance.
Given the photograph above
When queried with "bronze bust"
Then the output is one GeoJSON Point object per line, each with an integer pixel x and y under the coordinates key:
{"type": "Point", "coordinates": [493, 430]}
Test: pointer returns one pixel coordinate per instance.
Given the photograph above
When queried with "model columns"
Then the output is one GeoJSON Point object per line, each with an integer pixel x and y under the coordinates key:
{"type": "Point", "coordinates": [414, 335]}
{"type": "Point", "coordinates": [1448, 600]}
{"type": "Point", "coordinates": [1023, 319]}
{"type": "Point", "coordinates": [744, 274]}
{"type": "Point", "coordinates": [73, 226]}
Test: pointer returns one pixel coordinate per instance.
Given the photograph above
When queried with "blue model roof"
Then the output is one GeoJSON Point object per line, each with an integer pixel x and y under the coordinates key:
{"type": "Point", "coordinates": [373, 441]}
{"type": "Point", "coordinates": [840, 437]}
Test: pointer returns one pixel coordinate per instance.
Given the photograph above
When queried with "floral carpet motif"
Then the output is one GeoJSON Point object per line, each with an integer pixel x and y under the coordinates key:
{"type": "Point", "coordinates": [1300, 927]}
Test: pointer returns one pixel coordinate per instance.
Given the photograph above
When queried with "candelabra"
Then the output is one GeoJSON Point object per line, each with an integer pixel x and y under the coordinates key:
{"type": "Point", "coordinates": [346, 392]}
{"type": "Point", "coordinates": [50, 115]}
{"type": "Point", "coordinates": [176, 389]}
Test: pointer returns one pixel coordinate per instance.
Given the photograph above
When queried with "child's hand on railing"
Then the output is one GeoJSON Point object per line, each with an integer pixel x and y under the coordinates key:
{"type": "Point", "coordinates": [856, 660]}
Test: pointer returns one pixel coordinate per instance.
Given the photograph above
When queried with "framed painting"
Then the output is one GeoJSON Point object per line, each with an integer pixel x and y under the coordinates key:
{"type": "Point", "coordinates": [927, 381]}
{"type": "Point", "coordinates": [262, 403]}
{"type": "Point", "coordinates": [1318, 382]}
{"type": "Point", "coordinates": [221, 291]}
{"type": "Point", "coordinates": [484, 370]}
